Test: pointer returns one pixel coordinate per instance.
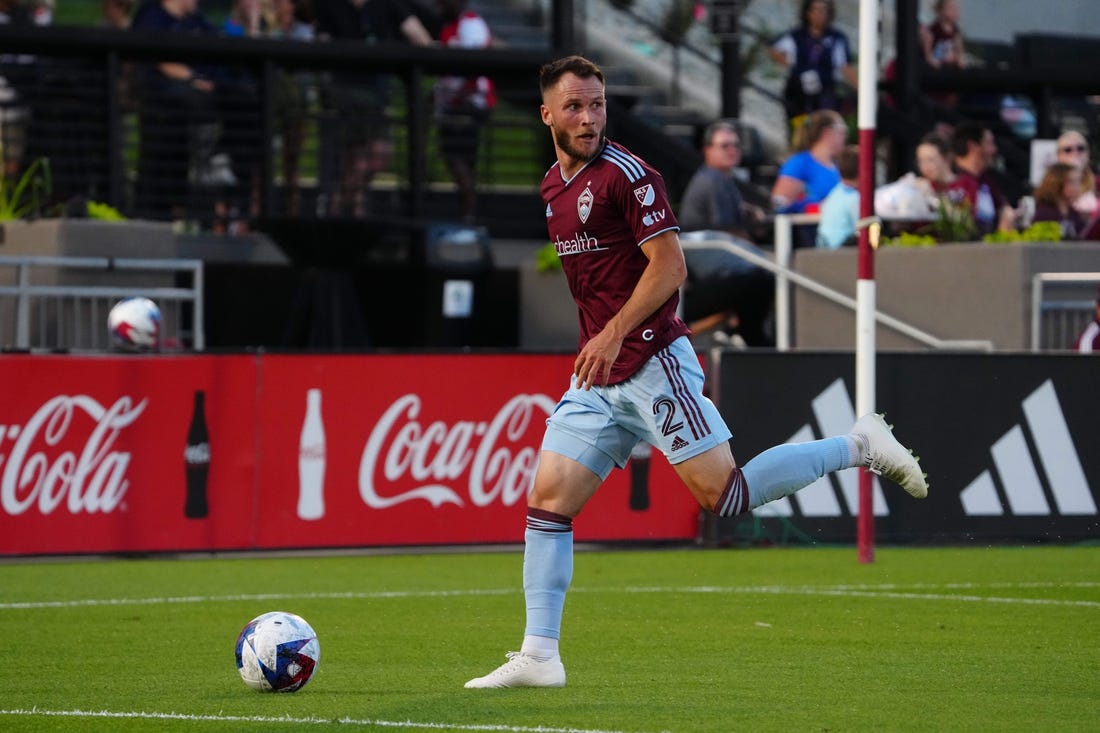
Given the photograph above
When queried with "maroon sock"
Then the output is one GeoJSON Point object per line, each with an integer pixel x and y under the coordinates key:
{"type": "Point", "coordinates": [735, 499]}
{"type": "Point", "coordinates": [544, 521]}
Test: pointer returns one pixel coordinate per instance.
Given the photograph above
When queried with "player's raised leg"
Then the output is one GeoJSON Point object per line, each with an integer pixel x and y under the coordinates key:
{"type": "Point", "coordinates": [784, 469]}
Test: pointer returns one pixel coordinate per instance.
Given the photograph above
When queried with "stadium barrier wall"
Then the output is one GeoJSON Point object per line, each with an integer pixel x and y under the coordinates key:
{"type": "Point", "coordinates": [134, 453]}
{"type": "Point", "coordinates": [1009, 442]}
{"type": "Point", "coordinates": [110, 454]}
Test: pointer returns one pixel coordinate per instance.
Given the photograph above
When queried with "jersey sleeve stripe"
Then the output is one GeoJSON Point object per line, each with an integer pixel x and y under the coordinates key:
{"type": "Point", "coordinates": [628, 165]}
{"type": "Point", "coordinates": [651, 236]}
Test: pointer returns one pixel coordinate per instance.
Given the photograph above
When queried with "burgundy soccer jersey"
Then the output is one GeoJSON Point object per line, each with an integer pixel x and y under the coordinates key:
{"type": "Point", "coordinates": [1088, 341]}
{"type": "Point", "coordinates": [943, 40]}
{"type": "Point", "coordinates": [598, 221]}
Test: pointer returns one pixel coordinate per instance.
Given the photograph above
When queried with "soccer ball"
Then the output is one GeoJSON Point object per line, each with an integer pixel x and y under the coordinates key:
{"type": "Point", "coordinates": [277, 652]}
{"type": "Point", "coordinates": [135, 324]}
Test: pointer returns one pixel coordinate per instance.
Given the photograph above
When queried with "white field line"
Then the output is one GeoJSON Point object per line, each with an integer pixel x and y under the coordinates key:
{"type": "Point", "coordinates": [918, 591]}
{"type": "Point", "coordinates": [364, 722]}
{"type": "Point", "coordinates": [168, 600]}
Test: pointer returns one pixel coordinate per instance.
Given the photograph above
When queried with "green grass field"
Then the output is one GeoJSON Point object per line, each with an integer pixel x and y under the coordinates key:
{"type": "Point", "coordinates": [686, 640]}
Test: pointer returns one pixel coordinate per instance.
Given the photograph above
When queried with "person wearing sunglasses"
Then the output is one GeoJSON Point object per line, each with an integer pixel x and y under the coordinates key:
{"type": "Point", "coordinates": [724, 293]}
{"type": "Point", "coordinates": [1073, 149]}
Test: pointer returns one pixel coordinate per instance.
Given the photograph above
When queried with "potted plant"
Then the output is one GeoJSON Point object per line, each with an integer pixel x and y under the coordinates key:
{"type": "Point", "coordinates": [25, 196]}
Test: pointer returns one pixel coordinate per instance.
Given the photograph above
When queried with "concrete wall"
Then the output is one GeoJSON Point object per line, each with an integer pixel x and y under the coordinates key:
{"type": "Point", "coordinates": [952, 291]}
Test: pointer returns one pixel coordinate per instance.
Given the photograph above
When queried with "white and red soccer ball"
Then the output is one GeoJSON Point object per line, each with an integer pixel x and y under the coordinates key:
{"type": "Point", "coordinates": [277, 652]}
{"type": "Point", "coordinates": [135, 324]}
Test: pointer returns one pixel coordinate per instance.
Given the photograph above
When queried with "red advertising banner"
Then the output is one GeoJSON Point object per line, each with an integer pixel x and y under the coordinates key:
{"type": "Point", "coordinates": [159, 453]}
{"type": "Point", "coordinates": [97, 453]}
{"type": "Point", "coordinates": [428, 449]}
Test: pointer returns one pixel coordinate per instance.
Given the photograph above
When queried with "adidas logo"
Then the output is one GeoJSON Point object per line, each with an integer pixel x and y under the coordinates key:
{"type": "Point", "coordinates": [1015, 467]}
{"type": "Point", "coordinates": [678, 443]}
{"type": "Point", "coordinates": [834, 414]}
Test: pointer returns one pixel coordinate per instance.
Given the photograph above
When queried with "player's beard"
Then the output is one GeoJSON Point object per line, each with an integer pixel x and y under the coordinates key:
{"type": "Point", "coordinates": [561, 137]}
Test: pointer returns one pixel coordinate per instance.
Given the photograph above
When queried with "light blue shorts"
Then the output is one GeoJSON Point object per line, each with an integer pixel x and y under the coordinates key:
{"type": "Point", "coordinates": [663, 404]}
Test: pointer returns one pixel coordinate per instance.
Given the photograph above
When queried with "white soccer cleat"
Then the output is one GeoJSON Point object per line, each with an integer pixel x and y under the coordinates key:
{"type": "Point", "coordinates": [885, 456]}
{"type": "Point", "coordinates": [523, 670]}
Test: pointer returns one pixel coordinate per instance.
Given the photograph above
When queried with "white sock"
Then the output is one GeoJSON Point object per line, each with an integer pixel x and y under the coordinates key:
{"type": "Point", "coordinates": [539, 647]}
{"type": "Point", "coordinates": [856, 451]}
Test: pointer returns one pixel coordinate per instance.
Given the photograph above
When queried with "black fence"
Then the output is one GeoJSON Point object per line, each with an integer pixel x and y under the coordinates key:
{"type": "Point", "coordinates": [291, 128]}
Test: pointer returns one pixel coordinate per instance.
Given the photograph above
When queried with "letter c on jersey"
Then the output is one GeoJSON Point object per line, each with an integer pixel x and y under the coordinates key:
{"type": "Point", "coordinates": [647, 335]}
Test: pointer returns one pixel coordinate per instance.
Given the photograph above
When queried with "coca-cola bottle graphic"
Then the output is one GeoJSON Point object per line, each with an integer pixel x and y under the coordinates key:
{"type": "Point", "coordinates": [311, 460]}
{"type": "Point", "coordinates": [639, 476]}
{"type": "Point", "coordinates": [196, 460]}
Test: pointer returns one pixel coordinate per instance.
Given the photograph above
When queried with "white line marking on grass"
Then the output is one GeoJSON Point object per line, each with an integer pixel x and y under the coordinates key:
{"type": "Point", "coordinates": [850, 593]}
{"type": "Point", "coordinates": [889, 590]}
{"type": "Point", "coordinates": [1004, 584]}
{"type": "Point", "coordinates": [366, 722]}
{"type": "Point", "coordinates": [167, 600]}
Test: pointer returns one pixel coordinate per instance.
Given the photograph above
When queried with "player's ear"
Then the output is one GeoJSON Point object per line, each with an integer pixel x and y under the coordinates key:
{"type": "Point", "coordinates": [545, 112]}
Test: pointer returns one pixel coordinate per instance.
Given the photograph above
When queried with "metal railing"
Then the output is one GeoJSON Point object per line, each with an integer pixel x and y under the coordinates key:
{"type": "Point", "coordinates": [1065, 318]}
{"type": "Point", "coordinates": [785, 277]}
{"type": "Point", "coordinates": [60, 315]}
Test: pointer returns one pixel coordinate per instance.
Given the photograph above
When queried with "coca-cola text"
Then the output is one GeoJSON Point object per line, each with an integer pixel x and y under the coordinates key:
{"type": "Point", "coordinates": [500, 466]}
{"type": "Point", "coordinates": [91, 478]}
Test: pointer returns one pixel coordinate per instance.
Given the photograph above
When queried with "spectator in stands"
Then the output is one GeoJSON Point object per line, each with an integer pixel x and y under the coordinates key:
{"type": "Point", "coordinates": [1073, 148]}
{"type": "Point", "coordinates": [941, 44]}
{"type": "Point", "coordinates": [292, 21]}
{"type": "Point", "coordinates": [463, 104]}
{"type": "Point", "coordinates": [1088, 341]}
{"type": "Point", "coordinates": [975, 150]}
{"type": "Point", "coordinates": [712, 199]}
{"type": "Point", "coordinates": [238, 96]}
{"type": "Point", "coordinates": [116, 13]}
{"type": "Point", "coordinates": [724, 293]}
{"type": "Point", "coordinates": [180, 122]}
{"type": "Point", "coordinates": [249, 18]}
{"type": "Point", "coordinates": [840, 209]}
{"type": "Point", "coordinates": [941, 185]}
{"type": "Point", "coordinates": [934, 164]}
{"type": "Point", "coordinates": [807, 177]}
{"type": "Point", "coordinates": [817, 56]}
{"type": "Point", "coordinates": [358, 145]}
{"type": "Point", "coordinates": [937, 177]}
{"type": "Point", "coordinates": [1054, 197]}
{"type": "Point", "coordinates": [941, 40]}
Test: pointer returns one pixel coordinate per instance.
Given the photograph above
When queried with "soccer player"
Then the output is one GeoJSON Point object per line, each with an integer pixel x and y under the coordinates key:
{"type": "Point", "coordinates": [636, 376]}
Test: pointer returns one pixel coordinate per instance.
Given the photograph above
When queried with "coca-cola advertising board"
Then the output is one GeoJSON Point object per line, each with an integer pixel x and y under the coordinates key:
{"type": "Point", "coordinates": [399, 449]}
{"type": "Point", "coordinates": [159, 453]}
{"type": "Point", "coordinates": [108, 454]}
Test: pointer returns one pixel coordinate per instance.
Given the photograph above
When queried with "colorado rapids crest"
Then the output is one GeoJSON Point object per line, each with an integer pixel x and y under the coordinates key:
{"type": "Point", "coordinates": [584, 204]}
